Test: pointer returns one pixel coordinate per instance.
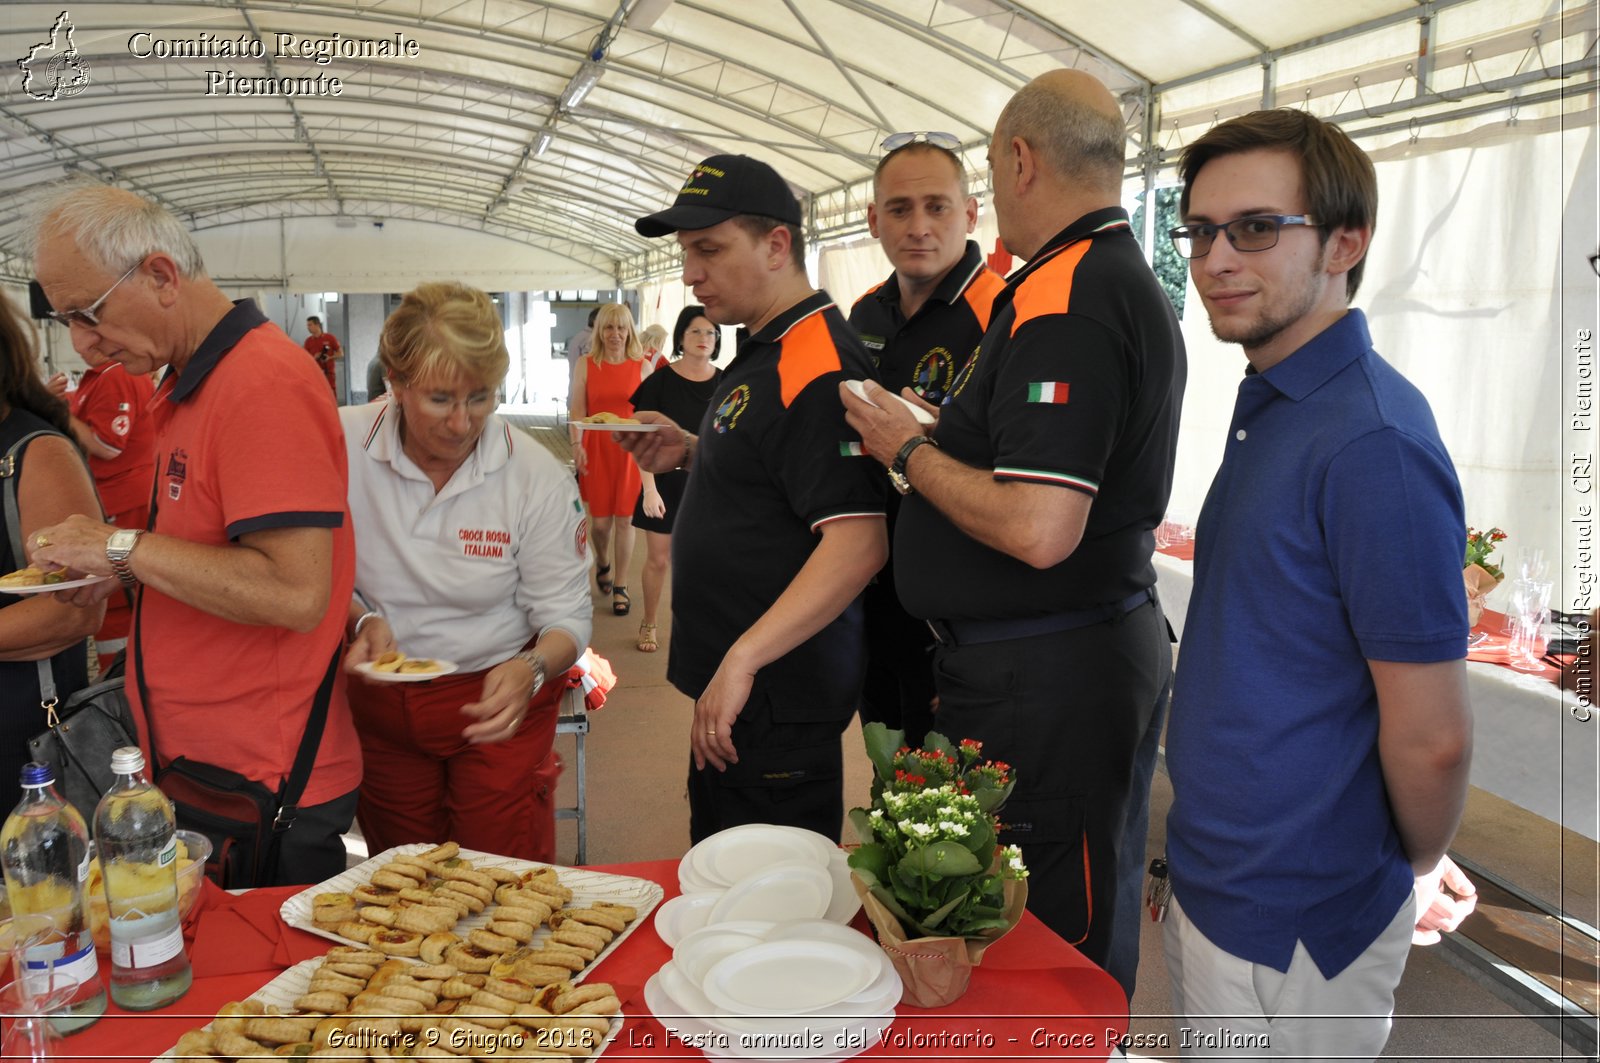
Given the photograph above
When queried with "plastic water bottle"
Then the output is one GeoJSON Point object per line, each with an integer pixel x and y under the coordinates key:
{"type": "Point", "coordinates": [44, 849]}
{"type": "Point", "coordinates": [135, 834]}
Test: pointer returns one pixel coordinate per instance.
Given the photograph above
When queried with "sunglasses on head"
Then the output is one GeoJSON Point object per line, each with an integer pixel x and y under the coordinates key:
{"type": "Point", "coordinates": [896, 141]}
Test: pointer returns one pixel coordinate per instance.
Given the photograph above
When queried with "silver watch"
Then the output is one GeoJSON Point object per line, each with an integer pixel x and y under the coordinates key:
{"type": "Point", "coordinates": [118, 549]}
{"type": "Point", "coordinates": [535, 660]}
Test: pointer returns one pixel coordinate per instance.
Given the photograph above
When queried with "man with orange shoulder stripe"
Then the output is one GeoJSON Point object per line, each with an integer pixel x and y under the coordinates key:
{"type": "Point", "coordinates": [1036, 497]}
{"type": "Point", "coordinates": [921, 326]}
{"type": "Point", "coordinates": [781, 524]}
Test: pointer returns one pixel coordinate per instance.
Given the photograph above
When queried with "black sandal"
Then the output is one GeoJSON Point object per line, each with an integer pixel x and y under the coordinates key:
{"type": "Point", "coordinates": [620, 602]}
{"type": "Point", "coordinates": [600, 579]}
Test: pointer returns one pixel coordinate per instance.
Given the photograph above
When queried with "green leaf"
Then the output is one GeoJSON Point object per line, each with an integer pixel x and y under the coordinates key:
{"type": "Point", "coordinates": [992, 798]}
{"type": "Point", "coordinates": [940, 858]}
{"type": "Point", "coordinates": [939, 742]}
{"type": "Point", "coordinates": [891, 902]}
{"type": "Point", "coordinates": [937, 916]}
{"type": "Point", "coordinates": [861, 821]}
{"type": "Point", "coordinates": [871, 861]}
{"type": "Point", "coordinates": [974, 926]}
{"type": "Point", "coordinates": [882, 744]}
{"type": "Point", "coordinates": [980, 843]}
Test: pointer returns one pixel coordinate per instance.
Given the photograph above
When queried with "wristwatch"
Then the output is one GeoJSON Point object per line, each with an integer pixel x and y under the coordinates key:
{"type": "Point", "coordinates": [535, 660]}
{"type": "Point", "coordinates": [118, 549]}
{"type": "Point", "coordinates": [897, 467]}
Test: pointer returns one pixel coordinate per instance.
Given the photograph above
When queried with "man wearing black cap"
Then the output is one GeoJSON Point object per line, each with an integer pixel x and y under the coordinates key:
{"type": "Point", "coordinates": [766, 637]}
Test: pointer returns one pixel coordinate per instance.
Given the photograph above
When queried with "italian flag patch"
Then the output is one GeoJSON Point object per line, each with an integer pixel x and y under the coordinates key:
{"type": "Point", "coordinates": [851, 450]}
{"type": "Point", "coordinates": [1049, 391]}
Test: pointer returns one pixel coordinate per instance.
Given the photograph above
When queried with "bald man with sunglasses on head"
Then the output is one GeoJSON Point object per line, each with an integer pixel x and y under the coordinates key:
{"type": "Point", "coordinates": [921, 326]}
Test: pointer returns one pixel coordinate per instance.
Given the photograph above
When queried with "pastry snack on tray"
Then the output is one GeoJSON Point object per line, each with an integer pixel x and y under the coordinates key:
{"type": "Point", "coordinates": [360, 1004]}
{"type": "Point", "coordinates": [607, 417]}
{"type": "Point", "coordinates": [482, 914]}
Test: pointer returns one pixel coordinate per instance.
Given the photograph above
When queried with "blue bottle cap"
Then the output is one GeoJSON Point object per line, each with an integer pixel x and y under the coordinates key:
{"type": "Point", "coordinates": [36, 774]}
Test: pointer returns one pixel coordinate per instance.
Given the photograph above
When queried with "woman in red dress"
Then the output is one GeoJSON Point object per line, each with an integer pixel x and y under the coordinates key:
{"type": "Point", "coordinates": [607, 477]}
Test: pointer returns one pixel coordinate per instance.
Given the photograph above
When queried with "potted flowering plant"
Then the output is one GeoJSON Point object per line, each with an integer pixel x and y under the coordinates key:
{"type": "Point", "coordinates": [930, 875]}
{"type": "Point", "coordinates": [1477, 572]}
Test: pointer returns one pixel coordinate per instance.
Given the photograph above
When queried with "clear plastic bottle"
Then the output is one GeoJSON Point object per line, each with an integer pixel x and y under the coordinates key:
{"type": "Point", "coordinates": [135, 834]}
{"type": "Point", "coordinates": [44, 850]}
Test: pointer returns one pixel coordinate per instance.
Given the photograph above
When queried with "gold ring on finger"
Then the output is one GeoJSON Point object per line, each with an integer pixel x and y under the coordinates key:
{"type": "Point", "coordinates": [41, 541]}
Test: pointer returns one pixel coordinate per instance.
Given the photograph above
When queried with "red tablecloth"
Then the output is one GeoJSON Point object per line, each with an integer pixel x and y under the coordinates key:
{"type": "Point", "coordinates": [1035, 996]}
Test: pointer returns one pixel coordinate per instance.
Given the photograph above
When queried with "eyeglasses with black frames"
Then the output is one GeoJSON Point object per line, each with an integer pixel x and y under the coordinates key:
{"type": "Point", "coordinates": [1253, 232]}
{"type": "Point", "coordinates": [896, 141]}
{"type": "Point", "coordinates": [89, 316]}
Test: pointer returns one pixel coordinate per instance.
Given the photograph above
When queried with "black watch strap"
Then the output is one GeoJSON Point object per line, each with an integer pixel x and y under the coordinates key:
{"type": "Point", "coordinates": [904, 454]}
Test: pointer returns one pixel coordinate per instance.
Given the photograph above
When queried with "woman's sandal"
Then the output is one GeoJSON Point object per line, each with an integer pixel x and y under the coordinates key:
{"type": "Point", "coordinates": [647, 638]}
{"type": "Point", "coordinates": [600, 579]}
{"type": "Point", "coordinates": [620, 602]}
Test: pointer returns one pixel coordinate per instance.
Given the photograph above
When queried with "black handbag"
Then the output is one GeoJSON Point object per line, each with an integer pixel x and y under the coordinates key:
{"type": "Point", "coordinates": [79, 735]}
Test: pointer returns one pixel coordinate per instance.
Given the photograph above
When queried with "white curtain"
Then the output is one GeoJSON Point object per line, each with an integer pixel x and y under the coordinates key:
{"type": "Point", "coordinates": [1476, 288]}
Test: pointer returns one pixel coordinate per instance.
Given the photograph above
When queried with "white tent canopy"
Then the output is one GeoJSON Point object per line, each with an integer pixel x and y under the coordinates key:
{"type": "Point", "coordinates": [512, 144]}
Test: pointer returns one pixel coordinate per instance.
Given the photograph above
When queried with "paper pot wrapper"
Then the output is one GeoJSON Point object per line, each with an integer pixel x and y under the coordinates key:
{"type": "Point", "coordinates": [935, 971]}
{"type": "Point", "coordinates": [1479, 583]}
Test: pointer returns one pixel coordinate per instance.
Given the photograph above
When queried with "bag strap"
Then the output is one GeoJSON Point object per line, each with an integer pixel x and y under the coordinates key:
{"type": "Point", "coordinates": [8, 472]}
{"type": "Point", "coordinates": [288, 797]}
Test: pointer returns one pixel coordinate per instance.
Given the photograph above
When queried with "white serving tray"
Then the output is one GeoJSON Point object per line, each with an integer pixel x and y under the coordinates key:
{"type": "Point", "coordinates": [586, 886]}
{"type": "Point", "coordinates": [291, 985]}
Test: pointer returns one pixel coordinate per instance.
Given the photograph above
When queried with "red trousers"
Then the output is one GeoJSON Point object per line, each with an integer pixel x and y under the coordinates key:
{"type": "Point", "coordinates": [425, 783]}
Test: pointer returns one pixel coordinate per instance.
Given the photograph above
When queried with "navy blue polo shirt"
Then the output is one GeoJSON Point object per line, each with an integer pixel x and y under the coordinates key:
{"type": "Point", "coordinates": [774, 463]}
{"type": "Point", "coordinates": [1332, 535]}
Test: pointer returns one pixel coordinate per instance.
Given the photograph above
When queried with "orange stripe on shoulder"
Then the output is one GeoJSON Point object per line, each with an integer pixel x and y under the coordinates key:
{"type": "Point", "coordinates": [859, 298]}
{"type": "Point", "coordinates": [808, 352]}
{"type": "Point", "coordinates": [1049, 289]}
{"type": "Point", "coordinates": [981, 294]}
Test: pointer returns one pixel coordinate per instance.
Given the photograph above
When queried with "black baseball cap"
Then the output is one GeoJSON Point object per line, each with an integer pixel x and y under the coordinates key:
{"type": "Point", "coordinates": [720, 188]}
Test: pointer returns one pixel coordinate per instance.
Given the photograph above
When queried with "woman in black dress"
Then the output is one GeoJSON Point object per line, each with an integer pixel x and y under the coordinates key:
{"type": "Point", "coordinates": [682, 390]}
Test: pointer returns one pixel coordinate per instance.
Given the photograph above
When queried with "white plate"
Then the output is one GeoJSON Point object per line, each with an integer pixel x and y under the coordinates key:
{"type": "Point", "coordinates": [844, 904]}
{"type": "Point", "coordinates": [681, 916]}
{"type": "Point", "coordinates": [734, 854]}
{"type": "Point", "coordinates": [858, 388]}
{"type": "Point", "coordinates": [823, 930]}
{"type": "Point", "coordinates": [445, 668]}
{"type": "Point", "coordinates": [281, 993]}
{"type": "Point", "coordinates": [701, 950]}
{"type": "Point", "coordinates": [51, 588]}
{"type": "Point", "coordinates": [690, 881]}
{"type": "Point", "coordinates": [585, 426]}
{"type": "Point", "coordinates": [586, 886]}
{"type": "Point", "coordinates": [690, 1018]}
{"type": "Point", "coordinates": [781, 893]}
{"type": "Point", "coordinates": [788, 978]}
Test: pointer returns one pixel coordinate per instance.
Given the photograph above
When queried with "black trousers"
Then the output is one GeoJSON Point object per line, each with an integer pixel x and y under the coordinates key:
{"type": "Point", "coordinates": [790, 770]}
{"type": "Point", "coordinates": [1077, 715]}
{"type": "Point", "coordinates": [313, 850]}
{"type": "Point", "coordinates": [899, 685]}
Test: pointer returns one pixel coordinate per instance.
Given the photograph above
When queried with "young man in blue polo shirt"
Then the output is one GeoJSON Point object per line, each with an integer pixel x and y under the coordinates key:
{"type": "Point", "coordinates": [1320, 734]}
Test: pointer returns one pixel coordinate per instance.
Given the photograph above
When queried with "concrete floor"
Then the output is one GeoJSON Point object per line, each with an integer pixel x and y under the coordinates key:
{"type": "Point", "coordinates": [637, 762]}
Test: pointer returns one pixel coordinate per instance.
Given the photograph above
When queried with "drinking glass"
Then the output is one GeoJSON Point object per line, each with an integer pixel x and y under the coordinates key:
{"type": "Point", "coordinates": [1529, 613]}
{"type": "Point", "coordinates": [27, 1004]}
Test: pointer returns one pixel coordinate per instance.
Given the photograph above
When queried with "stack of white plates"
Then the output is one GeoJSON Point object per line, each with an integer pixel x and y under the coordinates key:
{"type": "Point", "coordinates": [750, 989]}
{"type": "Point", "coordinates": [759, 871]}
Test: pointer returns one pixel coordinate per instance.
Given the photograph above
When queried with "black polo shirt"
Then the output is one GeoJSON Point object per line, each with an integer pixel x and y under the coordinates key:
{"type": "Point", "coordinates": [927, 352]}
{"type": "Point", "coordinates": [1078, 383]}
{"type": "Point", "coordinates": [775, 462]}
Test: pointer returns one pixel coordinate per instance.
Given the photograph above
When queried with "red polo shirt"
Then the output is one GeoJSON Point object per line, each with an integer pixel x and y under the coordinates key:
{"type": "Point", "coordinates": [247, 440]}
{"type": "Point", "coordinates": [322, 347]}
{"type": "Point", "coordinates": [112, 402]}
